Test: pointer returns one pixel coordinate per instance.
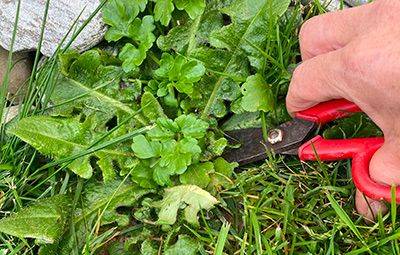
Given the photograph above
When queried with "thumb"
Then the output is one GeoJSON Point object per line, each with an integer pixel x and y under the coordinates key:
{"type": "Point", "coordinates": [316, 80]}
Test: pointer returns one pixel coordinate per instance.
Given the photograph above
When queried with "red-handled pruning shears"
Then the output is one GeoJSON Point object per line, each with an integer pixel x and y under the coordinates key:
{"type": "Point", "coordinates": [291, 138]}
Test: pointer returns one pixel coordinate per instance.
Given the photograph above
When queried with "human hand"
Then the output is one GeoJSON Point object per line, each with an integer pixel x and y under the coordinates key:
{"type": "Point", "coordinates": [355, 54]}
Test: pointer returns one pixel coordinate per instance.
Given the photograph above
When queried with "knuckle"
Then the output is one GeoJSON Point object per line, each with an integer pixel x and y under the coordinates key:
{"type": "Point", "coordinates": [295, 90]}
{"type": "Point", "coordinates": [307, 31]}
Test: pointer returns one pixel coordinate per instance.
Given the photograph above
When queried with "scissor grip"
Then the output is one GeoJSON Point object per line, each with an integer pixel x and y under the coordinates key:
{"type": "Point", "coordinates": [328, 111]}
{"type": "Point", "coordinates": [360, 150]}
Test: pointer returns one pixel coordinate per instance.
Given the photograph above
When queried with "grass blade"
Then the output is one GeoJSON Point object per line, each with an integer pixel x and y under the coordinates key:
{"type": "Point", "coordinates": [222, 238]}
{"type": "Point", "coordinates": [344, 217]}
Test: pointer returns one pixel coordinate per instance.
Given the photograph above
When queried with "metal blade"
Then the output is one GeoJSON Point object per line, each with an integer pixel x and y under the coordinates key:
{"type": "Point", "coordinates": [253, 148]}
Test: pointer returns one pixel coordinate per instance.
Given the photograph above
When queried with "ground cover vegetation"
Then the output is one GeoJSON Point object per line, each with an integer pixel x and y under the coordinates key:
{"type": "Point", "coordinates": [117, 150]}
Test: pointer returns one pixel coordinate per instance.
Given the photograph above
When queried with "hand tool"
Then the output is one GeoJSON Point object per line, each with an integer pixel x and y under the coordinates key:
{"type": "Point", "coordinates": [293, 138]}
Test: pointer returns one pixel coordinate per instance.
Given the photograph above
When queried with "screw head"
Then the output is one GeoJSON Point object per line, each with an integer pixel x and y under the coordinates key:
{"type": "Point", "coordinates": [275, 136]}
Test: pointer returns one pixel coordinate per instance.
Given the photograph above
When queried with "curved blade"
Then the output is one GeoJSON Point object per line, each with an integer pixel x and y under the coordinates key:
{"type": "Point", "coordinates": [253, 148]}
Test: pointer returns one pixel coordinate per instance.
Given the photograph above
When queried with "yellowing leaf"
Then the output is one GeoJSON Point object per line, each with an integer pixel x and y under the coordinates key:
{"type": "Point", "coordinates": [190, 197]}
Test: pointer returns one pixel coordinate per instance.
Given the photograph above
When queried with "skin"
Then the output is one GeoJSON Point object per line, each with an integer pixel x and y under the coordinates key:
{"type": "Point", "coordinates": [355, 54]}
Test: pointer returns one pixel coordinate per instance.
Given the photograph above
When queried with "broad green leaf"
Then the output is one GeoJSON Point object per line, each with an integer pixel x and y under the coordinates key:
{"type": "Point", "coordinates": [84, 68]}
{"type": "Point", "coordinates": [175, 158]}
{"type": "Point", "coordinates": [190, 126]}
{"type": "Point", "coordinates": [165, 129]}
{"type": "Point", "coordinates": [220, 178]}
{"type": "Point", "coordinates": [257, 94]}
{"type": "Point", "coordinates": [163, 10]}
{"type": "Point", "coordinates": [169, 148]}
{"type": "Point", "coordinates": [243, 38]}
{"type": "Point", "coordinates": [198, 174]}
{"type": "Point", "coordinates": [44, 220]}
{"type": "Point", "coordinates": [141, 31]}
{"type": "Point", "coordinates": [151, 108]}
{"type": "Point", "coordinates": [249, 29]}
{"type": "Point", "coordinates": [247, 9]}
{"type": "Point", "coordinates": [194, 8]}
{"type": "Point", "coordinates": [184, 245]}
{"type": "Point", "coordinates": [59, 138]}
{"type": "Point", "coordinates": [97, 195]}
{"type": "Point", "coordinates": [144, 149]}
{"type": "Point", "coordinates": [148, 247]}
{"type": "Point", "coordinates": [74, 96]}
{"type": "Point", "coordinates": [119, 14]}
{"type": "Point", "coordinates": [142, 174]}
{"type": "Point", "coordinates": [190, 198]}
{"type": "Point", "coordinates": [189, 34]}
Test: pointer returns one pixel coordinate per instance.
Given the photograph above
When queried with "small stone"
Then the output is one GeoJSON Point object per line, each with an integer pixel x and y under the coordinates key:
{"type": "Point", "coordinates": [10, 113]}
{"type": "Point", "coordinates": [61, 16]}
{"type": "Point", "coordinates": [356, 2]}
{"type": "Point", "coordinates": [331, 5]}
{"type": "Point", "coordinates": [20, 72]}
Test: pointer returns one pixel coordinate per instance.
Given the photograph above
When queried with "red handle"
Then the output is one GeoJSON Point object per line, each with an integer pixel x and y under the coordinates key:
{"type": "Point", "coordinates": [360, 150]}
{"type": "Point", "coordinates": [328, 111]}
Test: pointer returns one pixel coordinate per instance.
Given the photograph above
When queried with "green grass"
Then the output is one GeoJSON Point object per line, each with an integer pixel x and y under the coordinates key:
{"type": "Point", "coordinates": [280, 207]}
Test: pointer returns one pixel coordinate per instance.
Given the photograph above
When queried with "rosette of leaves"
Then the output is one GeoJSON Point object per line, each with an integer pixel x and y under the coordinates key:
{"type": "Point", "coordinates": [177, 75]}
{"type": "Point", "coordinates": [167, 149]}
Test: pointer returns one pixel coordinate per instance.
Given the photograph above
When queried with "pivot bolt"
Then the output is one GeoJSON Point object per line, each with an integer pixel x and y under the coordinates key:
{"type": "Point", "coordinates": [275, 136]}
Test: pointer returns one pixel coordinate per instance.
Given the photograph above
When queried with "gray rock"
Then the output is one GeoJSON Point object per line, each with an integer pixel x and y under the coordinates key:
{"type": "Point", "coordinates": [20, 72]}
{"type": "Point", "coordinates": [331, 5]}
{"type": "Point", "coordinates": [10, 113]}
{"type": "Point", "coordinates": [356, 2]}
{"type": "Point", "coordinates": [61, 16]}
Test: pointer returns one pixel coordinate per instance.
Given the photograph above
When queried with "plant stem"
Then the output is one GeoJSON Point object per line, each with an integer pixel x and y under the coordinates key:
{"type": "Point", "coordinates": [264, 125]}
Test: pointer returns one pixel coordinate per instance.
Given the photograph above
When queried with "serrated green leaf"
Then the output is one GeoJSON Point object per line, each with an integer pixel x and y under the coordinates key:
{"type": "Point", "coordinates": [175, 158]}
{"type": "Point", "coordinates": [141, 31]}
{"type": "Point", "coordinates": [60, 138]}
{"type": "Point", "coordinates": [142, 174]}
{"type": "Point", "coordinates": [193, 7]}
{"type": "Point", "coordinates": [163, 10]}
{"type": "Point", "coordinates": [44, 220]}
{"type": "Point", "coordinates": [165, 129]}
{"type": "Point", "coordinates": [96, 195]}
{"type": "Point", "coordinates": [73, 95]}
{"type": "Point", "coordinates": [119, 14]}
{"type": "Point", "coordinates": [236, 41]}
{"type": "Point", "coordinates": [189, 34]}
{"type": "Point", "coordinates": [257, 94]}
{"type": "Point", "coordinates": [190, 126]}
{"type": "Point", "coordinates": [249, 29]}
{"type": "Point", "coordinates": [190, 197]}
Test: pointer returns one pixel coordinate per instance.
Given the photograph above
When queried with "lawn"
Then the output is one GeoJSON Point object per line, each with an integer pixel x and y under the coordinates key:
{"type": "Point", "coordinates": [117, 150]}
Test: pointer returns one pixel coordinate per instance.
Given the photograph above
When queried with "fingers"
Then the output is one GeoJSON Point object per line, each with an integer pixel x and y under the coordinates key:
{"type": "Point", "coordinates": [369, 208]}
{"type": "Point", "coordinates": [385, 169]}
{"type": "Point", "coordinates": [332, 31]}
{"type": "Point", "coordinates": [315, 80]}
